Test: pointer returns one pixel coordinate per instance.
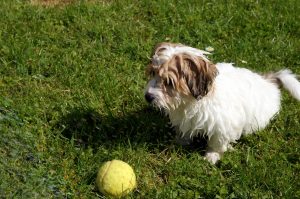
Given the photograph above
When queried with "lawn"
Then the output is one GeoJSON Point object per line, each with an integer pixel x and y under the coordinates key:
{"type": "Point", "coordinates": [71, 97]}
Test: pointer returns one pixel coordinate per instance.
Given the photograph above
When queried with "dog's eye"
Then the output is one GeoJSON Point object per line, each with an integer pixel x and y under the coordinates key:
{"type": "Point", "coordinates": [169, 83]}
{"type": "Point", "coordinates": [152, 73]}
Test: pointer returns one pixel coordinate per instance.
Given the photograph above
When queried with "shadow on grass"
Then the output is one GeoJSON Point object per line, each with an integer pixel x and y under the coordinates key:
{"type": "Point", "coordinates": [146, 126]}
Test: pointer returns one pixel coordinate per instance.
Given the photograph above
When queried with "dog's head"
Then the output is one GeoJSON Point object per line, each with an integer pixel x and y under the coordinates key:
{"type": "Point", "coordinates": [178, 73]}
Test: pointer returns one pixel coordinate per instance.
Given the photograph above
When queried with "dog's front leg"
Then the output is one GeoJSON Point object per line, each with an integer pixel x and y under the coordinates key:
{"type": "Point", "coordinates": [217, 145]}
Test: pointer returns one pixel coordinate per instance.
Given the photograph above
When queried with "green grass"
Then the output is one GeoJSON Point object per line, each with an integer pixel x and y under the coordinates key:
{"type": "Point", "coordinates": [71, 97]}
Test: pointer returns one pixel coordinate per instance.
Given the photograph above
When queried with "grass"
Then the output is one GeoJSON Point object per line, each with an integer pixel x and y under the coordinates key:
{"type": "Point", "coordinates": [72, 76]}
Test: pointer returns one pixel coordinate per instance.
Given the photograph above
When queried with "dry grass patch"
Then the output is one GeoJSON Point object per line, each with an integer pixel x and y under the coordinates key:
{"type": "Point", "coordinates": [51, 3]}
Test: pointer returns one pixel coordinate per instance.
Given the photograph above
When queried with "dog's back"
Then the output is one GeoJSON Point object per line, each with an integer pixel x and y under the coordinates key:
{"type": "Point", "coordinates": [249, 100]}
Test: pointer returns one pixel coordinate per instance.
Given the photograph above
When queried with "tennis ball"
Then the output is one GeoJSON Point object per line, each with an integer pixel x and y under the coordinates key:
{"type": "Point", "coordinates": [116, 178]}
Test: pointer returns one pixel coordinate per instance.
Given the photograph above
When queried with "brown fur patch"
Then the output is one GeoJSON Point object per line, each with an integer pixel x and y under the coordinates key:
{"type": "Point", "coordinates": [273, 78]}
{"type": "Point", "coordinates": [187, 74]}
{"type": "Point", "coordinates": [191, 74]}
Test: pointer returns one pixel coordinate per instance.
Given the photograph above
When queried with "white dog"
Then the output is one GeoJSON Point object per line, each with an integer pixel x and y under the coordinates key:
{"type": "Point", "coordinates": [219, 101]}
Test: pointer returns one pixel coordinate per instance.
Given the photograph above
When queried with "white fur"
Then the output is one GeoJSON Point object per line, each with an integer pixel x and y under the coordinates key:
{"type": "Point", "coordinates": [171, 51]}
{"type": "Point", "coordinates": [240, 103]}
{"type": "Point", "coordinates": [289, 82]}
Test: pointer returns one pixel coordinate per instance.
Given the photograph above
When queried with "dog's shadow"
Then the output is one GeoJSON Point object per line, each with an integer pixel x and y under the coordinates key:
{"type": "Point", "coordinates": [88, 128]}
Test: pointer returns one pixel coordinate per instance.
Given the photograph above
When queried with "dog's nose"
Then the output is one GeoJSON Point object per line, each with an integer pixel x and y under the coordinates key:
{"type": "Point", "coordinates": [149, 97]}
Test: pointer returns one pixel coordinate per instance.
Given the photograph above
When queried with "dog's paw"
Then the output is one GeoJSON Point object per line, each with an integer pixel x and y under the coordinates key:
{"type": "Point", "coordinates": [212, 157]}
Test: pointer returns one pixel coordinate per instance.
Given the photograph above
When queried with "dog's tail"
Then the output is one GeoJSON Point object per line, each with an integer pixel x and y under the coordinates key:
{"type": "Point", "coordinates": [288, 80]}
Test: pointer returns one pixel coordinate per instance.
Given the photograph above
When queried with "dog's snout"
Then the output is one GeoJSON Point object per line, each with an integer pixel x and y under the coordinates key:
{"type": "Point", "coordinates": [149, 97]}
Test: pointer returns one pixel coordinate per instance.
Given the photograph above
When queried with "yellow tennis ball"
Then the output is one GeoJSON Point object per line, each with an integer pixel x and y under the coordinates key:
{"type": "Point", "coordinates": [116, 178]}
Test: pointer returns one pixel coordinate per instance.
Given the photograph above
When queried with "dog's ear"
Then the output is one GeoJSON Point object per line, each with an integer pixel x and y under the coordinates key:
{"type": "Point", "coordinates": [189, 74]}
{"type": "Point", "coordinates": [198, 73]}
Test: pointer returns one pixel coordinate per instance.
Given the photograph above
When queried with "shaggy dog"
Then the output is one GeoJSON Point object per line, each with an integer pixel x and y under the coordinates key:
{"type": "Point", "coordinates": [219, 101]}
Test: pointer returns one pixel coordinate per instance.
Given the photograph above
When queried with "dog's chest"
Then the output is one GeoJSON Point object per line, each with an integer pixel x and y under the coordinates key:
{"type": "Point", "coordinates": [191, 119]}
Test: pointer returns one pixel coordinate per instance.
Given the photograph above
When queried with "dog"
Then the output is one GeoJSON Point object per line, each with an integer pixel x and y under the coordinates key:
{"type": "Point", "coordinates": [219, 101]}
